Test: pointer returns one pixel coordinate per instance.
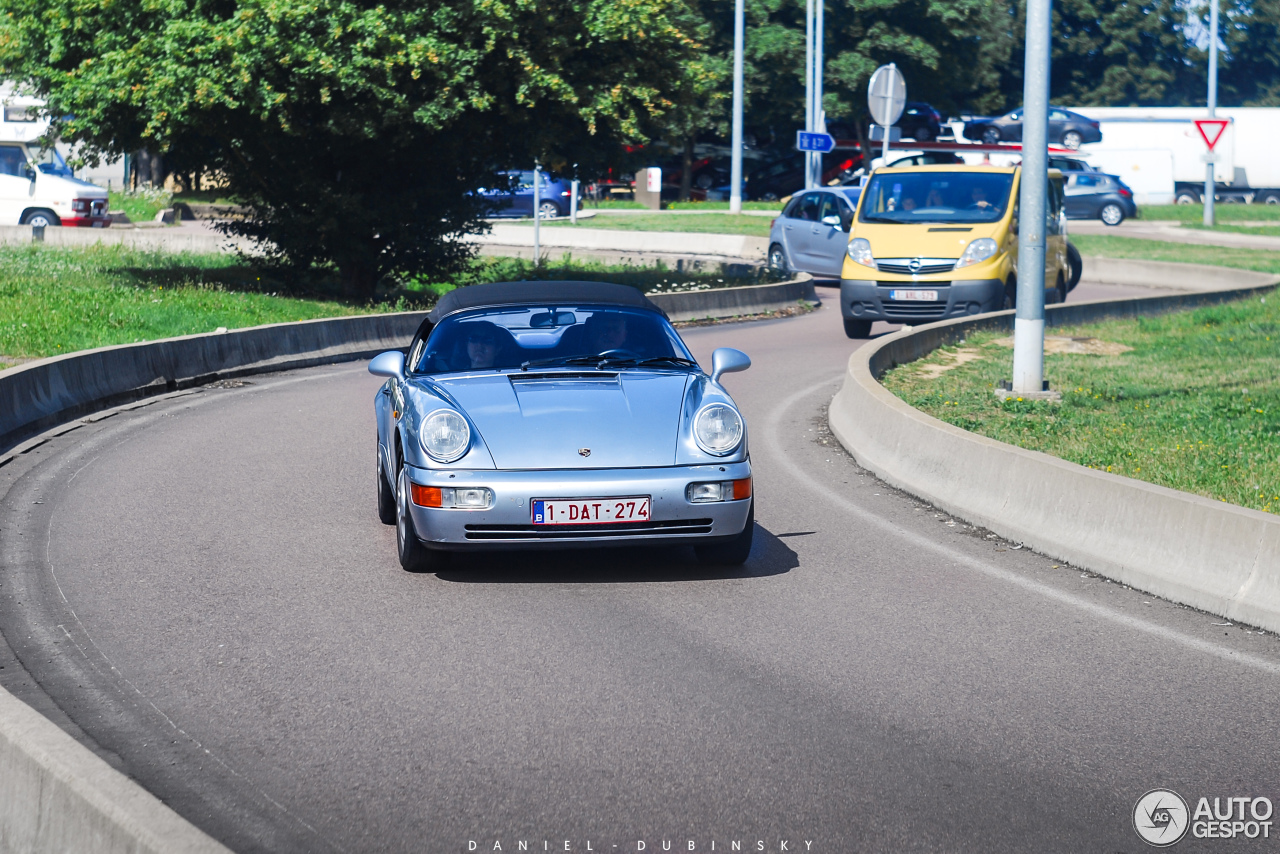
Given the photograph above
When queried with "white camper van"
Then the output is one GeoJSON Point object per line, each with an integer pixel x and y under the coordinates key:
{"type": "Point", "coordinates": [36, 185]}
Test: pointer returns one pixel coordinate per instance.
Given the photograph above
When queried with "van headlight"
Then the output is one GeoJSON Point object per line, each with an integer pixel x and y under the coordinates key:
{"type": "Point", "coordinates": [445, 435]}
{"type": "Point", "coordinates": [860, 252]}
{"type": "Point", "coordinates": [977, 251]}
{"type": "Point", "coordinates": [718, 429]}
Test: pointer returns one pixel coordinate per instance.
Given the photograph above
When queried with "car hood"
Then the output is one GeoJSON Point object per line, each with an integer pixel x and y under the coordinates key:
{"type": "Point", "coordinates": [625, 419]}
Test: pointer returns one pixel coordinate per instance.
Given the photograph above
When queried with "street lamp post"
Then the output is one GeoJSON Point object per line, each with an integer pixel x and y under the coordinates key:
{"type": "Point", "coordinates": [735, 163]}
{"type": "Point", "coordinates": [819, 125]}
{"type": "Point", "coordinates": [1028, 324]}
{"type": "Point", "coordinates": [808, 89]}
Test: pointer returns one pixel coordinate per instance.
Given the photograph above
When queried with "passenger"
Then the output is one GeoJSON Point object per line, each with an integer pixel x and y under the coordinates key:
{"type": "Point", "coordinates": [978, 197]}
{"type": "Point", "coordinates": [483, 345]}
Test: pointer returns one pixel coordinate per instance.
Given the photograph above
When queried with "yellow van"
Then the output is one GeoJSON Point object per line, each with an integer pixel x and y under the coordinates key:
{"type": "Point", "coordinates": [934, 242]}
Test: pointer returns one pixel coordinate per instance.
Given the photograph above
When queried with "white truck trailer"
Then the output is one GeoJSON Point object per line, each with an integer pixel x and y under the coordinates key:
{"type": "Point", "coordinates": [1159, 153]}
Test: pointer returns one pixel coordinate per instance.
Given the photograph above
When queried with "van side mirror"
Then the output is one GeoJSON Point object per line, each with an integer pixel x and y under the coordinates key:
{"type": "Point", "coordinates": [29, 171]}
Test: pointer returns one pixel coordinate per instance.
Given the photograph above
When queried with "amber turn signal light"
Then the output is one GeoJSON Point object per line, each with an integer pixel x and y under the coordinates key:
{"type": "Point", "coordinates": [425, 496]}
{"type": "Point", "coordinates": [742, 489]}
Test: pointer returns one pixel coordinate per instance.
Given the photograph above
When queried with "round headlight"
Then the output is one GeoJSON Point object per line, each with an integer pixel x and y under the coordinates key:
{"type": "Point", "coordinates": [718, 428]}
{"type": "Point", "coordinates": [445, 435]}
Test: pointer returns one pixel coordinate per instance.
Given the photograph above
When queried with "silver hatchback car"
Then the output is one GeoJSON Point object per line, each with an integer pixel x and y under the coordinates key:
{"type": "Point", "coordinates": [558, 414]}
{"type": "Point", "coordinates": [812, 233]}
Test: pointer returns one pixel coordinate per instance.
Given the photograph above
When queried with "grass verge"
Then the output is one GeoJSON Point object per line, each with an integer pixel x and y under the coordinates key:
{"type": "Point", "coordinates": [752, 226]}
{"type": "Point", "coordinates": [57, 300]}
{"type": "Point", "coordinates": [1194, 405]}
{"type": "Point", "coordinates": [1222, 213]}
{"type": "Point", "coordinates": [1262, 260]}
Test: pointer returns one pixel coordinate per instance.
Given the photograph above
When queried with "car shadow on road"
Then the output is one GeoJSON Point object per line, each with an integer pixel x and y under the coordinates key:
{"type": "Point", "coordinates": [769, 556]}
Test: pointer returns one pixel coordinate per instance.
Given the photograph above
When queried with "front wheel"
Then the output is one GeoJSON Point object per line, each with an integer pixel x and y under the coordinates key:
{"type": "Point", "coordinates": [1111, 214]}
{"type": "Point", "coordinates": [733, 553]}
{"type": "Point", "coordinates": [41, 219]}
{"type": "Point", "coordinates": [923, 134]}
{"type": "Point", "coordinates": [1076, 264]}
{"type": "Point", "coordinates": [414, 556]}
{"type": "Point", "coordinates": [991, 136]}
{"type": "Point", "coordinates": [1072, 139]}
{"type": "Point", "coordinates": [778, 259]}
{"type": "Point", "coordinates": [857, 328]}
{"type": "Point", "coordinates": [548, 210]}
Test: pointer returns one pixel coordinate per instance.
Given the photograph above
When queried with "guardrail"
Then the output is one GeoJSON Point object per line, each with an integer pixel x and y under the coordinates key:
{"type": "Point", "coordinates": [1213, 556]}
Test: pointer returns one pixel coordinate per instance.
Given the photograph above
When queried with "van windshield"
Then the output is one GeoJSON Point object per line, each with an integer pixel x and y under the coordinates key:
{"type": "Point", "coordinates": [936, 197]}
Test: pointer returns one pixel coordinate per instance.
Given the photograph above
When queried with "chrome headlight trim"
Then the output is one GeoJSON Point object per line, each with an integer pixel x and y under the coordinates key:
{"type": "Point", "coordinates": [718, 429]}
{"type": "Point", "coordinates": [451, 439]}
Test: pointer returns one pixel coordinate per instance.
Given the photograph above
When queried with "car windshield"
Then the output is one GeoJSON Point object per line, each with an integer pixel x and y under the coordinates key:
{"type": "Point", "coordinates": [527, 337]}
{"type": "Point", "coordinates": [936, 197]}
{"type": "Point", "coordinates": [51, 163]}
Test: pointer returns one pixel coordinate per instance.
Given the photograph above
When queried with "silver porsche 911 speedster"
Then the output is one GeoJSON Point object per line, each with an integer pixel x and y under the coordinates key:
{"type": "Point", "coordinates": [558, 414]}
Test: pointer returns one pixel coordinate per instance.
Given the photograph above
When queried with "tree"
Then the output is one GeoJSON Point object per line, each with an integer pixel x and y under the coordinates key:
{"type": "Point", "coordinates": [354, 131]}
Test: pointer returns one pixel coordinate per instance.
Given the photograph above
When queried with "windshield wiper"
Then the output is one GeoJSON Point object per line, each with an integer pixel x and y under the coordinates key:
{"type": "Point", "coordinates": [674, 361]}
{"type": "Point", "coordinates": [596, 360]}
{"type": "Point", "coordinates": [874, 218]}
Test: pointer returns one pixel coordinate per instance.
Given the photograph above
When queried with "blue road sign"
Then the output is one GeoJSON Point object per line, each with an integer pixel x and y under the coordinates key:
{"type": "Point", "coordinates": [814, 141]}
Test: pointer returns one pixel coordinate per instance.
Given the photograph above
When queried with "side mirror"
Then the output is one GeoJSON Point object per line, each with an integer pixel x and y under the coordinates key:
{"type": "Point", "coordinates": [29, 171]}
{"type": "Point", "coordinates": [726, 360]}
{"type": "Point", "coordinates": [832, 220]}
{"type": "Point", "coordinates": [389, 364]}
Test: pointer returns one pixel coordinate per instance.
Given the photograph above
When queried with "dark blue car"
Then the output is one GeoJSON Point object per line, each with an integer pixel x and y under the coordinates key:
{"type": "Point", "coordinates": [555, 196]}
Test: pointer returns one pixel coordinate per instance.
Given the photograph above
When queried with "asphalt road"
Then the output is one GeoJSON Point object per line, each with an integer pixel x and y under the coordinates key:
{"type": "Point", "coordinates": [200, 590]}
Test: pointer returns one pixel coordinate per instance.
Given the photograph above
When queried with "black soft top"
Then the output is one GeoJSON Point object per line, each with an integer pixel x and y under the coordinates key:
{"type": "Point", "coordinates": [495, 294]}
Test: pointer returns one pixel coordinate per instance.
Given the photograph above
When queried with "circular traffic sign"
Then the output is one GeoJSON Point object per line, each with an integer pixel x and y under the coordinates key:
{"type": "Point", "coordinates": [887, 94]}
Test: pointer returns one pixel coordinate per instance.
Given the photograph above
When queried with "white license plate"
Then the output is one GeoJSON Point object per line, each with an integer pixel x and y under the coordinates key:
{"type": "Point", "coordinates": [97, 225]}
{"type": "Point", "coordinates": [921, 296]}
{"type": "Point", "coordinates": [590, 511]}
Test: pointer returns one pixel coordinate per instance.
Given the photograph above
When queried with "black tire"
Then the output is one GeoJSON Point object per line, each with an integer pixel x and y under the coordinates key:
{"type": "Point", "coordinates": [778, 261]}
{"type": "Point", "coordinates": [41, 217]}
{"type": "Point", "coordinates": [704, 180]}
{"type": "Point", "coordinates": [386, 496]}
{"type": "Point", "coordinates": [1111, 214]}
{"type": "Point", "coordinates": [414, 556]}
{"type": "Point", "coordinates": [990, 135]}
{"type": "Point", "coordinates": [548, 210]}
{"type": "Point", "coordinates": [1010, 294]}
{"type": "Point", "coordinates": [924, 134]}
{"type": "Point", "coordinates": [1075, 264]}
{"type": "Point", "coordinates": [1187, 197]}
{"type": "Point", "coordinates": [733, 553]}
{"type": "Point", "coordinates": [1072, 139]}
{"type": "Point", "coordinates": [857, 328]}
{"type": "Point", "coordinates": [1269, 198]}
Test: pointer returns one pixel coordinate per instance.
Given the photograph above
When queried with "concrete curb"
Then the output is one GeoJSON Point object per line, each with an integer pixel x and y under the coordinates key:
{"type": "Point", "coordinates": [160, 239]}
{"type": "Point", "coordinates": [1208, 554]}
{"type": "Point", "coordinates": [56, 796]}
{"type": "Point", "coordinates": [734, 302]}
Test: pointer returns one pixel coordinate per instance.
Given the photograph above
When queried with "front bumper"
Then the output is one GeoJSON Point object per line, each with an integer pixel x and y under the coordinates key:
{"type": "Point", "coordinates": [86, 221]}
{"type": "Point", "coordinates": [871, 300]}
{"type": "Point", "coordinates": [508, 523]}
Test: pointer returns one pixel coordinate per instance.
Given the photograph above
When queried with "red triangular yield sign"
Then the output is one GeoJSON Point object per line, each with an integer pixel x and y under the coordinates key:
{"type": "Point", "coordinates": [1211, 130]}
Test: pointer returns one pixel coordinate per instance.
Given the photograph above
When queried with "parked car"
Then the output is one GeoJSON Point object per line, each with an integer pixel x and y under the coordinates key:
{"type": "Point", "coordinates": [546, 415]}
{"type": "Point", "coordinates": [1093, 195]}
{"type": "Point", "coordinates": [931, 242]}
{"type": "Point", "coordinates": [37, 188]}
{"type": "Point", "coordinates": [919, 121]}
{"type": "Point", "coordinates": [1071, 164]}
{"type": "Point", "coordinates": [555, 196]}
{"type": "Point", "coordinates": [812, 232]}
{"type": "Point", "coordinates": [786, 176]}
{"type": "Point", "coordinates": [1066, 127]}
{"type": "Point", "coordinates": [927, 158]}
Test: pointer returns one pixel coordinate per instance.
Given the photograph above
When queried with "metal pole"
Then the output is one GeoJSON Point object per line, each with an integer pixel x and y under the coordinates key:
{"type": "Point", "coordinates": [735, 163]}
{"type": "Point", "coordinates": [573, 202]}
{"type": "Point", "coordinates": [818, 124]}
{"type": "Point", "coordinates": [537, 219]}
{"type": "Point", "coordinates": [1210, 188]}
{"type": "Point", "coordinates": [808, 89]}
{"type": "Point", "coordinates": [1028, 324]}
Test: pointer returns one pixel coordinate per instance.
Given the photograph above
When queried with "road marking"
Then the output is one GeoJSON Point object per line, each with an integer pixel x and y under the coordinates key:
{"type": "Point", "coordinates": [772, 441]}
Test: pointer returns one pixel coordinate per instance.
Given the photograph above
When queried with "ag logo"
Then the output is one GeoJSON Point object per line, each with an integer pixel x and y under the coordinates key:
{"type": "Point", "coordinates": [1161, 817]}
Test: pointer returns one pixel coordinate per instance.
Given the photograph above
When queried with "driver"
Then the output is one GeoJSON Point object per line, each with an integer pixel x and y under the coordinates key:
{"type": "Point", "coordinates": [607, 332]}
{"type": "Point", "coordinates": [978, 198]}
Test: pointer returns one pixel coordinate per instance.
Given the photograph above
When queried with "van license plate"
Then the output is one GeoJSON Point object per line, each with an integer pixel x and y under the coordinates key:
{"type": "Point", "coordinates": [919, 296]}
{"type": "Point", "coordinates": [97, 225]}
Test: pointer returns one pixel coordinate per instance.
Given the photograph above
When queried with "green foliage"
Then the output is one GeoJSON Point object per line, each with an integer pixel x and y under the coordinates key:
{"type": "Point", "coordinates": [1194, 406]}
{"type": "Point", "coordinates": [354, 132]}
